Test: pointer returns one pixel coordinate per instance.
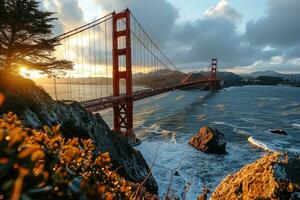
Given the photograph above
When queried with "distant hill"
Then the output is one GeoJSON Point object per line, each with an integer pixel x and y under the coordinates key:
{"type": "Point", "coordinates": [230, 79]}
{"type": "Point", "coordinates": [159, 78]}
{"type": "Point", "coordinates": [168, 78]}
{"type": "Point", "coordinates": [291, 79]}
{"type": "Point", "coordinates": [265, 73]}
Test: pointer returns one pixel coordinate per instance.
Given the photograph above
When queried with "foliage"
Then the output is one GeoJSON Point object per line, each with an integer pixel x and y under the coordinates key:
{"type": "Point", "coordinates": [25, 41]}
{"type": "Point", "coordinates": [43, 165]}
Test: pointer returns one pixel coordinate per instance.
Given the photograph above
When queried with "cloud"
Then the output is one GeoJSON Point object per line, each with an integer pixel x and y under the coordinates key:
{"type": "Point", "coordinates": [283, 65]}
{"type": "Point", "coordinates": [270, 41]}
{"type": "Point", "coordinates": [223, 9]}
{"type": "Point", "coordinates": [191, 42]}
{"type": "Point", "coordinates": [215, 36]}
{"type": "Point", "coordinates": [156, 16]}
{"type": "Point", "coordinates": [293, 52]}
{"type": "Point", "coordinates": [279, 28]}
{"type": "Point", "coordinates": [68, 12]}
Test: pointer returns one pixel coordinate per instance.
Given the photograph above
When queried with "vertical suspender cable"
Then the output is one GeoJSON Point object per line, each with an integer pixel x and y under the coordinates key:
{"type": "Point", "coordinates": [78, 70]}
{"type": "Point", "coordinates": [100, 61]}
{"type": "Point", "coordinates": [66, 58]}
{"type": "Point", "coordinates": [95, 60]}
{"type": "Point", "coordinates": [106, 53]}
{"type": "Point", "coordinates": [89, 84]}
{"type": "Point", "coordinates": [83, 66]}
{"type": "Point", "coordinates": [68, 79]}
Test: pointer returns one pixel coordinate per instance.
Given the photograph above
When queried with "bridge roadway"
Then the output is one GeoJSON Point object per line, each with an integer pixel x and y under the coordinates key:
{"type": "Point", "coordinates": [103, 103]}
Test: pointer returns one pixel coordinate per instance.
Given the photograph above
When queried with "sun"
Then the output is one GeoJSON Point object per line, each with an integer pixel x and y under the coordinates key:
{"type": "Point", "coordinates": [27, 73]}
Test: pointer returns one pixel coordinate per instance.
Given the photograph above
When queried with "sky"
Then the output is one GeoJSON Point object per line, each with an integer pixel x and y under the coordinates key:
{"type": "Point", "coordinates": [245, 35]}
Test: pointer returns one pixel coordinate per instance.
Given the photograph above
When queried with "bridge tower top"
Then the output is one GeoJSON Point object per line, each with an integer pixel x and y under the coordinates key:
{"type": "Point", "coordinates": [214, 67]}
{"type": "Point", "coordinates": [214, 84]}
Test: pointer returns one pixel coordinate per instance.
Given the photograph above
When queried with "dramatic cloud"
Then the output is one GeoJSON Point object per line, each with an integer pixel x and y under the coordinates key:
{"type": "Point", "coordinates": [279, 28]}
{"type": "Point", "coordinates": [209, 38]}
{"type": "Point", "coordinates": [68, 12]}
{"type": "Point", "coordinates": [156, 16]}
{"type": "Point", "coordinates": [269, 42]}
{"type": "Point", "coordinates": [215, 36]}
{"type": "Point", "coordinates": [223, 9]}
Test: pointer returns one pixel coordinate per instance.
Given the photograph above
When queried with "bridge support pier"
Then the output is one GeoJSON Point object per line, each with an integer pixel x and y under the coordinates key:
{"type": "Point", "coordinates": [123, 111]}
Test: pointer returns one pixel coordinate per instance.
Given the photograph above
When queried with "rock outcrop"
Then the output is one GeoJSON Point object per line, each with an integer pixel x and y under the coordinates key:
{"type": "Point", "coordinates": [209, 140]}
{"type": "Point", "coordinates": [275, 176]}
{"type": "Point", "coordinates": [36, 108]}
{"type": "Point", "coordinates": [278, 131]}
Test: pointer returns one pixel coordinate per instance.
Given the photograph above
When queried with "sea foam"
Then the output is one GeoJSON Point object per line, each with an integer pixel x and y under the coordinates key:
{"type": "Point", "coordinates": [260, 144]}
{"type": "Point", "coordinates": [296, 125]}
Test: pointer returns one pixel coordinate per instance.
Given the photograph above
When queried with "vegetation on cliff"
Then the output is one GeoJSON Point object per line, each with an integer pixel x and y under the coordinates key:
{"type": "Point", "coordinates": [36, 108]}
{"type": "Point", "coordinates": [42, 164]}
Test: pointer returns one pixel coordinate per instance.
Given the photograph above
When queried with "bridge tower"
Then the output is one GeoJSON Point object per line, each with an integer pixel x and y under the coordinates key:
{"type": "Point", "coordinates": [123, 109]}
{"type": "Point", "coordinates": [214, 84]}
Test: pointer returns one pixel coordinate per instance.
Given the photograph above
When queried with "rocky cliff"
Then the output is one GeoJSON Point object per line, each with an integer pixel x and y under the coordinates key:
{"type": "Point", "coordinates": [36, 108]}
{"type": "Point", "coordinates": [275, 176]}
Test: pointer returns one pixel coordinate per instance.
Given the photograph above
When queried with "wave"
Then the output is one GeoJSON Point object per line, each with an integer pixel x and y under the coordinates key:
{"type": "Point", "coordinates": [179, 97]}
{"type": "Point", "coordinates": [293, 105]}
{"type": "Point", "coordinates": [242, 132]}
{"type": "Point", "coordinates": [154, 128]}
{"type": "Point", "coordinates": [296, 125]}
{"type": "Point", "coordinates": [231, 88]}
{"type": "Point", "coordinates": [220, 107]}
{"type": "Point", "coordinates": [160, 96]}
{"type": "Point", "coordinates": [260, 144]}
{"type": "Point", "coordinates": [225, 124]}
{"type": "Point", "coordinates": [269, 99]}
{"type": "Point", "coordinates": [201, 118]}
{"type": "Point", "coordinates": [254, 121]}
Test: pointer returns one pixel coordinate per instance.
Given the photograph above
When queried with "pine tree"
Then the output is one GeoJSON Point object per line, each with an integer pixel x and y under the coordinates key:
{"type": "Point", "coordinates": [25, 38]}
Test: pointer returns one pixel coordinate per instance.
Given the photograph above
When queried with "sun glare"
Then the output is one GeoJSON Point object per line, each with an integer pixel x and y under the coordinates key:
{"type": "Point", "coordinates": [27, 73]}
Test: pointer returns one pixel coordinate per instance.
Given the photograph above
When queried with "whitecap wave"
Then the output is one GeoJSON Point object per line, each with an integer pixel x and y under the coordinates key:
{"type": "Point", "coordinates": [179, 97]}
{"type": "Point", "coordinates": [253, 121]}
{"type": "Point", "coordinates": [160, 96]}
{"type": "Point", "coordinates": [225, 124]}
{"type": "Point", "coordinates": [201, 118]}
{"type": "Point", "coordinates": [290, 105]}
{"type": "Point", "coordinates": [242, 132]}
{"type": "Point", "coordinates": [260, 144]}
{"type": "Point", "coordinates": [269, 99]}
{"type": "Point", "coordinates": [296, 125]}
{"type": "Point", "coordinates": [154, 128]}
{"type": "Point", "coordinates": [220, 107]}
{"type": "Point", "coordinates": [231, 88]}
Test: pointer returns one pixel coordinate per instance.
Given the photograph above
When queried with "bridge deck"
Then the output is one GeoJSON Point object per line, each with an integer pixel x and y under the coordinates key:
{"type": "Point", "coordinates": [96, 105]}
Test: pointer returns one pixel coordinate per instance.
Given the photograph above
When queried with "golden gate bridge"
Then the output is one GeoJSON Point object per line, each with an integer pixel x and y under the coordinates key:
{"type": "Point", "coordinates": [116, 63]}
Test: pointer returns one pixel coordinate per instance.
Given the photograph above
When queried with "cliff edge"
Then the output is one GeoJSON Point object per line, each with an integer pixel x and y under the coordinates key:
{"type": "Point", "coordinates": [275, 176]}
{"type": "Point", "coordinates": [36, 108]}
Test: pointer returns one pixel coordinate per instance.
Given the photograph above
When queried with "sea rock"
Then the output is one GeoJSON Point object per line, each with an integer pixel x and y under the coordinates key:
{"type": "Point", "coordinates": [204, 195]}
{"type": "Point", "coordinates": [278, 131]}
{"type": "Point", "coordinates": [36, 108]}
{"type": "Point", "coordinates": [275, 176]}
{"type": "Point", "coordinates": [176, 173]}
{"type": "Point", "coordinates": [209, 140]}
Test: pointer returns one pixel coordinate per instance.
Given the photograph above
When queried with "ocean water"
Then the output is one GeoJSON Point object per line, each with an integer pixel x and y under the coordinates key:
{"type": "Point", "coordinates": [245, 115]}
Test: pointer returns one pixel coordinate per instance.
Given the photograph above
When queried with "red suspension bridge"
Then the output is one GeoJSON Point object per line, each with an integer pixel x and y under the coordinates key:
{"type": "Point", "coordinates": [116, 63]}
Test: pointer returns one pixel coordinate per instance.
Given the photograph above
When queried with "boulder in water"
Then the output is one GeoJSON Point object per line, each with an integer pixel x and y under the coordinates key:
{"type": "Point", "coordinates": [278, 131]}
{"type": "Point", "coordinates": [275, 176]}
{"type": "Point", "coordinates": [209, 140]}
